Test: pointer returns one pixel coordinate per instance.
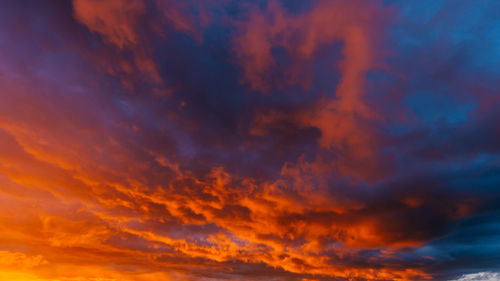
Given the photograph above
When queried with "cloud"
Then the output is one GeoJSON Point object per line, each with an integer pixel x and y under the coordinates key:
{"type": "Point", "coordinates": [487, 276]}
{"type": "Point", "coordinates": [259, 140]}
{"type": "Point", "coordinates": [115, 20]}
{"type": "Point", "coordinates": [20, 260]}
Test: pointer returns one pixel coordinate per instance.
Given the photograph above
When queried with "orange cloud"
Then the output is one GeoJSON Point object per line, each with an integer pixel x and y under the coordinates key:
{"type": "Point", "coordinates": [89, 193]}
{"type": "Point", "coordinates": [254, 224]}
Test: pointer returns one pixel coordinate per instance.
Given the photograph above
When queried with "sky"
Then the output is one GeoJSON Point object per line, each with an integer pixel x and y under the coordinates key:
{"type": "Point", "coordinates": [212, 140]}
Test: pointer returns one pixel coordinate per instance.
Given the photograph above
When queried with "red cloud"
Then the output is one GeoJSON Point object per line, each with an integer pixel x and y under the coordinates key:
{"type": "Point", "coordinates": [343, 117]}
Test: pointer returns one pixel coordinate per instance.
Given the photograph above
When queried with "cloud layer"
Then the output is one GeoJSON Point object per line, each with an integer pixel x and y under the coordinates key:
{"type": "Point", "coordinates": [249, 140]}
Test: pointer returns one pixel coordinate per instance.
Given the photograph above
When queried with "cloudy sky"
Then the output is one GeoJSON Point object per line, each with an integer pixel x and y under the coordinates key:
{"type": "Point", "coordinates": [212, 140]}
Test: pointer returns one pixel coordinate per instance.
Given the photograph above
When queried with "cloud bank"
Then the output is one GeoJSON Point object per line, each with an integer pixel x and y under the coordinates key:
{"type": "Point", "coordinates": [249, 140]}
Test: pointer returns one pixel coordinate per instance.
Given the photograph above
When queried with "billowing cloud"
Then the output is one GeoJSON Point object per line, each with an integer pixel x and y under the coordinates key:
{"type": "Point", "coordinates": [255, 140]}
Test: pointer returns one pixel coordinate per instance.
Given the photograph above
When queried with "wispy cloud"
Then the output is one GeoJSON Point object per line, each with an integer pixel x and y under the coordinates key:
{"type": "Point", "coordinates": [480, 276]}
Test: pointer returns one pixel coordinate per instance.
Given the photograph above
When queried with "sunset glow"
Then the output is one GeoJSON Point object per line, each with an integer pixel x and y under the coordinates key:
{"type": "Point", "coordinates": [165, 140]}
